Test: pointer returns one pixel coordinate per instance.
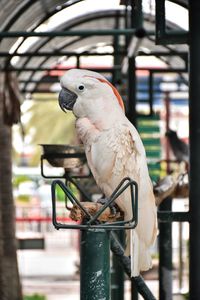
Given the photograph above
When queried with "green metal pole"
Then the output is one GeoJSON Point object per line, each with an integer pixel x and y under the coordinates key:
{"type": "Point", "coordinates": [117, 271]}
{"type": "Point", "coordinates": [131, 114]}
{"type": "Point", "coordinates": [151, 92]}
{"type": "Point", "coordinates": [165, 255]}
{"type": "Point", "coordinates": [117, 274]}
{"type": "Point", "coordinates": [136, 22]}
{"type": "Point", "coordinates": [95, 265]}
{"type": "Point", "coordinates": [165, 231]}
{"type": "Point", "coordinates": [194, 121]}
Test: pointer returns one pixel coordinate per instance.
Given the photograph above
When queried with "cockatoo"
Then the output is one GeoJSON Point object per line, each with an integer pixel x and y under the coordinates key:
{"type": "Point", "coordinates": [114, 150]}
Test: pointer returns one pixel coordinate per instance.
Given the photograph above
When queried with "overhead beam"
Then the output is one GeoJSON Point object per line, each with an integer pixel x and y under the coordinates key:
{"type": "Point", "coordinates": [83, 33]}
{"type": "Point", "coordinates": [60, 53]}
{"type": "Point", "coordinates": [164, 36]}
{"type": "Point", "coordinates": [69, 27]}
{"type": "Point", "coordinates": [36, 69]}
{"type": "Point", "coordinates": [163, 53]}
{"type": "Point", "coordinates": [54, 79]}
{"type": "Point", "coordinates": [182, 54]}
{"type": "Point", "coordinates": [155, 91]}
{"type": "Point", "coordinates": [154, 70]}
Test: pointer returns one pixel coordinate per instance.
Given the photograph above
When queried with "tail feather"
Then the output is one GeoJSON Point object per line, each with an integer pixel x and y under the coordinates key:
{"type": "Point", "coordinates": [140, 254]}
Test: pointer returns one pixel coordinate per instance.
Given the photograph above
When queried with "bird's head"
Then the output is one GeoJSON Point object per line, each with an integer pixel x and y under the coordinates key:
{"type": "Point", "coordinates": [87, 93]}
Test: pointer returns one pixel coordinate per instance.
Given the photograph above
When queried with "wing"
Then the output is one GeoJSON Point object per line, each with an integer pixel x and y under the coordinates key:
{"type": "Point", "coordinates": [147, 212]}
{"type": "Point", "coordinates": [108, 157]}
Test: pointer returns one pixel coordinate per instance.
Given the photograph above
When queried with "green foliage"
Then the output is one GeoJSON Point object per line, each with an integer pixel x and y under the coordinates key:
{"type": "Point", "coordinates": [23, 198]}
{"type": "Point", "coordinates": [47, 124]}
{"type": "Point", "coordinates": [60, 195]}
{"type": "Point", "coordinates": [19, 179]}
{"type": "Point", "coordinates": [50, 124]}
{"type": "Point", "coordinates": [34, 297]}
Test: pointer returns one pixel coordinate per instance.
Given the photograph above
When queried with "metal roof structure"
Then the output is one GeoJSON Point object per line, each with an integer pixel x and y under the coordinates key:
{"type": "Point", "coordinates": [40, 50]}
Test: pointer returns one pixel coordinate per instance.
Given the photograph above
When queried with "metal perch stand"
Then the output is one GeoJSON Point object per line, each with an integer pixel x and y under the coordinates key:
{"type": "Point", "coordinates": [96, 237]}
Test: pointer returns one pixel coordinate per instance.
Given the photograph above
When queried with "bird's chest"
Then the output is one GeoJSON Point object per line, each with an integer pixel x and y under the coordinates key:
{"type": "Point", "coordinates": [102, 157]}
{"type": "Point", "coordinates": [108, 153]}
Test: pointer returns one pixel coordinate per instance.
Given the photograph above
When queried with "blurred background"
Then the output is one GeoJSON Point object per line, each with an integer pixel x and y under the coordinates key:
{"type": "Point", "coordinates": [152, 77]}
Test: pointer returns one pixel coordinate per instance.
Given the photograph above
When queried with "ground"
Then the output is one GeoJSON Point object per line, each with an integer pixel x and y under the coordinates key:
{"type": "Point", "coordinates": [54, 272]}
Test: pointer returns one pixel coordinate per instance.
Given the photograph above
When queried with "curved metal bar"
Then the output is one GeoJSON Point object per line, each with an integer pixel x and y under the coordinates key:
{"type": "Point", "coordinates": [23, 9]}
{"type": "Point", "coordinates": [78, 22]}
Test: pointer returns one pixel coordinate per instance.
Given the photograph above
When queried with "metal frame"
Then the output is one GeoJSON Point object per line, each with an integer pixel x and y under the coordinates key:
{"type": "Point", "coordinates": [61, 53]}
{"type": "Point", "coordinates": [164, 36]}
{"type": "Point", "coordinates": [29, 69]}
{"type": "Point", "coordinates": [93, 237]}
{"type": "Point", "coordinates": [81, 33]}
{"type": "Point", "coordinates": [92, 220]}
{"type": "Point", "coordinates": [79, 22]}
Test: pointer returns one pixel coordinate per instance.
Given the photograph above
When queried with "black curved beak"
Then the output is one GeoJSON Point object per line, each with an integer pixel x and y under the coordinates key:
{"type": "Point", "coordinates": [66, 99]}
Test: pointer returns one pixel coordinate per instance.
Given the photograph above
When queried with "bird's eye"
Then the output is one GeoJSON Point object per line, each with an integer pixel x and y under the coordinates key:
{"type": "Point", "coordinates": [81, 87]}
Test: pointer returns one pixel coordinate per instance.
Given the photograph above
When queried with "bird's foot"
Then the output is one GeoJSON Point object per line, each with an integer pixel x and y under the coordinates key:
{"type": "Point", "coordinates": [112, 206]}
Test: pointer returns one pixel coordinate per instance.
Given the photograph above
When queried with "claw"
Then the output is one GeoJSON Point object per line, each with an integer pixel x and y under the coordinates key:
{"type": "Point", "coordinates": [112, 206]}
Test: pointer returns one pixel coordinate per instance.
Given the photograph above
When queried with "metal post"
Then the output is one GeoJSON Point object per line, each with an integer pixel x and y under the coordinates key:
{"type": "Point", "coordinates": [165, 230]}
{"type": "Point", "coordinates": [117, 275]}
{"type": "Point", "coordinates": [136, 22]}
{"type": "Point", "coordinates": [181, 263]}
{"type": "Point", "coordinates": [194, 110]}
{"type": "Point", "coordinates": [164, 36]}
{"type": "Point", "coordinates": [134, 292]}
{"type": "Point", "coordinates": [132, 91]}
{"type": "Point", "coordinates": [117, 271]}
{"type": "Point", "coordinates": [116, 58]}
{"type": "Point", "coordinates": [150, 93]}
{"type": "Point", "coordinates": [165, 255]}
{"type": "Point", "coordinates": [95, 264]}
{"type": "Point", "coordinates": [136, 14]}
{"type": "Point", "coordinates": [132, 118]}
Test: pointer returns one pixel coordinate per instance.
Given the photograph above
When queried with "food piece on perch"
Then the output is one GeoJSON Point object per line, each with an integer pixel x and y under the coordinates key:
{"type": "Point", "coordinates": [76, 214]}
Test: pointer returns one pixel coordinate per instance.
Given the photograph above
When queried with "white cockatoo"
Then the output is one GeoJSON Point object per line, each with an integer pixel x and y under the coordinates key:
{"type": "Point", "coordinates": [114, 151]}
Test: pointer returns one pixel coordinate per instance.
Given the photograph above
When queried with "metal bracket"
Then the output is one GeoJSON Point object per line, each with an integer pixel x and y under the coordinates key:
{"type": "Point", "coordinates": [59, 156]}
{"type": "Point", "coordinates": [164, 37]}
{"type": "Point", "coordinates": [92, 221]}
